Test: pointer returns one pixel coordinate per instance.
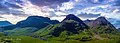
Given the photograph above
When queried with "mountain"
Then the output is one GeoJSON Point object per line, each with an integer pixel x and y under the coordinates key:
{"type": "Point", "coordinates": [102, 25]}
{"type": "Point", "coordinates": [29, 26]}
{"type": "Point", "coordinates": [10, 27]}
{"type": "Point", "coordinates": [119, 29]}
{"type": "Point", "coordinates": [87, 21]}
{"type": "Point", "coordinates": [36, 21]}
{"type": "Point", "coordinates": [70, 30]}
{"type": "Point", "coordinates": [5, 23]}
{"type": "Point", "coordinates": [70, 25]}
{"type": "Point", "coordinates": [75, 18]}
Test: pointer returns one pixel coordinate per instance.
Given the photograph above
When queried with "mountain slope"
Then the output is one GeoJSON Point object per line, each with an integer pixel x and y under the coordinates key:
{"type": "Point", "coordinates": [102, 25]}
{"type": "Point", "coordinates": [21, 31]}
{"type": "Point", "coordinates": [5, 23]}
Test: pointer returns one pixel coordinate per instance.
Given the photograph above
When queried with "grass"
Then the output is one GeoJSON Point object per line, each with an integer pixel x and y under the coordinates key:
{"type": "Point", "coordinates": [21, 31]}
{"type": "Point", "coordinates": [46, 30]}
{"type": "Point", "coordinates": [21, 39]}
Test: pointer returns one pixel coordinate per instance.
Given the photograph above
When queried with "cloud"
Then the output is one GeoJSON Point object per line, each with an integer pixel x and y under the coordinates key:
{"type": "Point", "coordinates": [11, 18]}
{"type": "Point", "coordinates": [75, 6]}
{"type": "Point", "coordinates": [117, 3]}
{"type": "Point", "coordinates": [100, 7]}
{"type": "Point", "coordinates": [2, 7]}
{"type": "Point", "coordinates": [12, 5]}
{"type": "Point", "coordinates": [7, 8]}
{"type": "Point", "coordinates": [88, 15]}
{"type": "Point", "coordinates": [115, 22]}
{"type": "Point", "coordinates": [60, 18]}
{"type": "Point", "coordinates": [47, 2]}
{"type": "Point", "coordinates": [8, 4]}
{"type": "Point", "coordinates": [20, 8]}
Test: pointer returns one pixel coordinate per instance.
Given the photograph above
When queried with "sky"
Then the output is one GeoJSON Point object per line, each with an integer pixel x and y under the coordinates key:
{"type": "Point", "coordinates": [18, 10]}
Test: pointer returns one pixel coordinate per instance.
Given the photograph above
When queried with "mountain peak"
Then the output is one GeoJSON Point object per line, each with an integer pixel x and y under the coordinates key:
{"type": "Point", "coordinates": [101, 18]}
{"type": "Point", "coordinates": [72, 17]}
{"type": "Point", "coordinates": [75, 18]}
{"type": "Point", "coordinates": [38, 17]}
{"type": "Point", "coordinates": [99, 21]}
{"type": "Point", "coordinates": [102, 21]}
{"type": "Point", "coordinates": [5, 23]}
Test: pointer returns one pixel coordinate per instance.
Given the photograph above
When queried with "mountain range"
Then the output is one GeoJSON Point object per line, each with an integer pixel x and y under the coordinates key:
{"type": "Point", "coordinates": [71, 28]}
{"type": "Point", "coordinates": [71, 23]}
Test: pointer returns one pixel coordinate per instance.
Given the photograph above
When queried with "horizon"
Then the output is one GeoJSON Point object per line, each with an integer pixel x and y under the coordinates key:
{"type": "Point", "coordinates": [60, 20]}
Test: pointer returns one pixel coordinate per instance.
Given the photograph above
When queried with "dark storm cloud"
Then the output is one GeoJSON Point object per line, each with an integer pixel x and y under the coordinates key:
{"type": "Point", "coordinates": [2, 7]}
{"type": "Point", "coordinates": [1, 17]}
{"type": "Point", "coordinates": [47, 2]}
{"type": "Point", "coordinates": [117, 3]}
{"type": "Point", "coordinates": [90, 15]}
{"type": "Point", "coordinates": [7, 4]}
{"type": "Point", "coordinates": [12, 5]}
{"type": "Point", "coordinates": [7, 8]}
{"type": "Point", "coordinates": [13, 12]}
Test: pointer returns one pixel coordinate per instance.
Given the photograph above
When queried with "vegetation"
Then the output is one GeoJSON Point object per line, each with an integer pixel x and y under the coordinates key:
{"type": "Point", "coordinates": [21, 31]}
{"type": "Point", "coordinates": [87, 36]}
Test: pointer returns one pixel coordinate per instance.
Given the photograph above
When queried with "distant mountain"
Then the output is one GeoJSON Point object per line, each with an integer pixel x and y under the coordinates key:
{"type": "Point", "coordinates": [5, 23]}
{"type": "Point", "coordinates": [102, 24]}
{"type": "Point", "coordinates": [10, 27]}
{"type": "Point", "coordinates": [119, 29]}
{"type": "Point", "coordinates": [87, 21]}
{"type": "Point", "coordinates": [99, 21]}
{"type": "Point", "coordinates": [36, 21]}
{"type": "Point", "coordinates": [70, 25]}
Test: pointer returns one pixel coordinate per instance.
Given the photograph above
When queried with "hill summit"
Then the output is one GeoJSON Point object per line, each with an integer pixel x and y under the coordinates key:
{"type": "Point", "coordinates": [36, 21]}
